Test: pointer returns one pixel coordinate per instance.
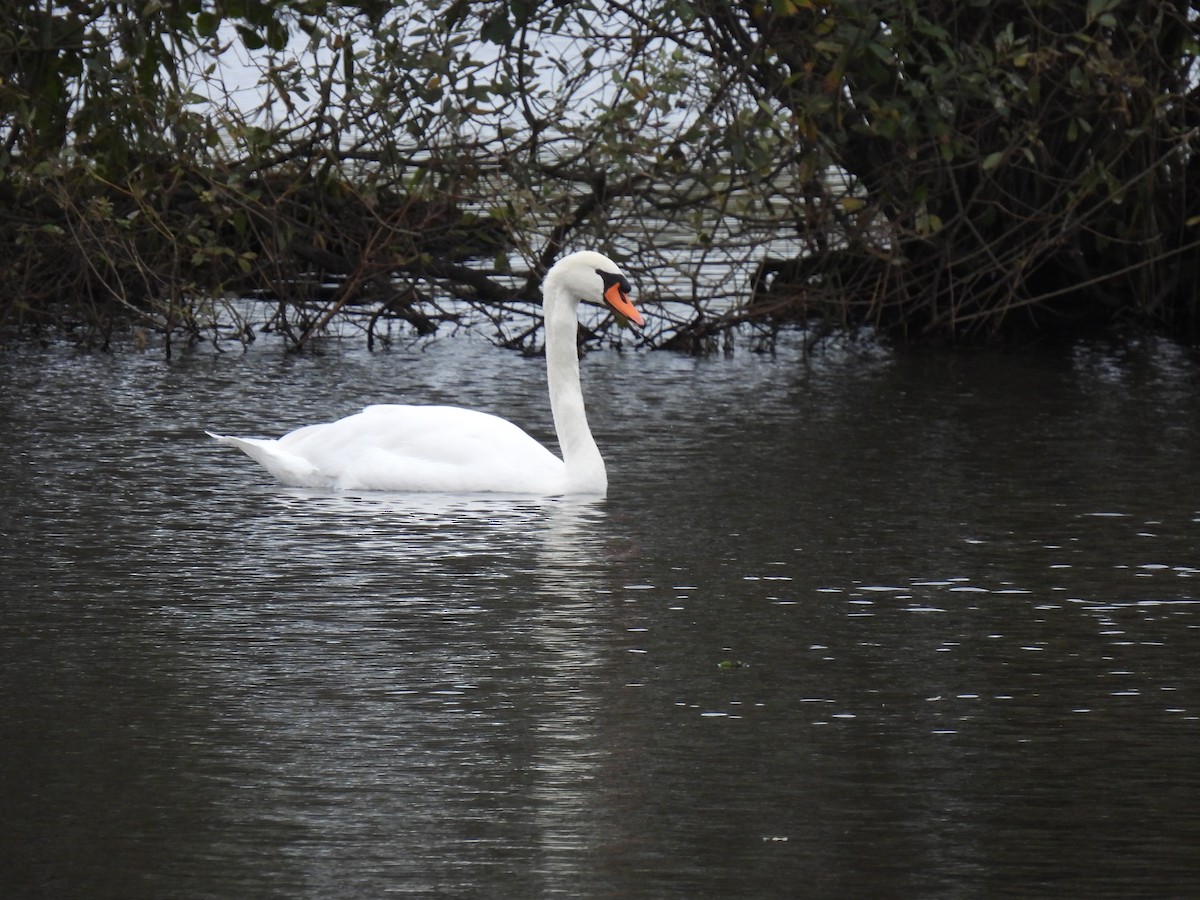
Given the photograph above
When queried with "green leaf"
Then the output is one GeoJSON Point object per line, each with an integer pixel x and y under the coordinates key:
{"type": "Point", "coordinates": [251, 39]}
{"type": "Point", "coordinates": [885, 55]}
{"type": "Point", "coordinates": [1097, 8]}
{"type": "Point", "coordinates": [992, 160]}
{"type": "Point", "coordinates": [497, 29]}
{"type": "Point", "coordinates": [928, 223]}
{"type": "Point", "coordinates": [207, 24]}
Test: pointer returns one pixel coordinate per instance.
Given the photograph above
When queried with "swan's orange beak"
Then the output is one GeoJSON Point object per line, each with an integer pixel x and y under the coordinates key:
{"type": "Point", "coordinates": [620, 303]}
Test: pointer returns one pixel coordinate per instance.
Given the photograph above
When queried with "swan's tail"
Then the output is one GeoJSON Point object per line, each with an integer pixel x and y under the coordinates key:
{"type": "Point", "coordinates": [290, 469]}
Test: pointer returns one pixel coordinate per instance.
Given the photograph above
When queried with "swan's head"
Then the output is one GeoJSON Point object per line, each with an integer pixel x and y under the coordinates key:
{"type": "Point", "coordinates": [592, 276]}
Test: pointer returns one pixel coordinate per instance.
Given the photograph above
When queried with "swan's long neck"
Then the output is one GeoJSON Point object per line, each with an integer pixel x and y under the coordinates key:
{"type": "Point", "coordinates": [585, 467]}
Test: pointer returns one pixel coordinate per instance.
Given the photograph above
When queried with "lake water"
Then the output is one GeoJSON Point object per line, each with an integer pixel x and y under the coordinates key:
{"type": "Point", "coordinates": [859, 625]}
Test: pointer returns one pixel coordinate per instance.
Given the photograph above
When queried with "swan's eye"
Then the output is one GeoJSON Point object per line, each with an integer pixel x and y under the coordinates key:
{"type": "Point", "coordinates": [611, 278]}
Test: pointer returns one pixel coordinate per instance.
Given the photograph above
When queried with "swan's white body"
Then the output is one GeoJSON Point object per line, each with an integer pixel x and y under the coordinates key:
{"type": "Point", "coordinates": [445, 448]}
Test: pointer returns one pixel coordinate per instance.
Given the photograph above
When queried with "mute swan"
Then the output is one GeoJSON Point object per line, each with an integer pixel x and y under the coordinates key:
{"type": "Point", "coordinates": [445, 448]}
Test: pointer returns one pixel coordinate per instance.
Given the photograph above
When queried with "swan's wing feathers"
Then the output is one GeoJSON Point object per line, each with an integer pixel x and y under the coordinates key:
{"type": "Point", "coordinates": [394, 447]}
{"type": "Point", "coordinates": [289, 468]}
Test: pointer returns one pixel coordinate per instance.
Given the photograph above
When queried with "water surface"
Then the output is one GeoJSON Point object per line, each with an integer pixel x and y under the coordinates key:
{"type": "Point", "coordinates": [861, 624]}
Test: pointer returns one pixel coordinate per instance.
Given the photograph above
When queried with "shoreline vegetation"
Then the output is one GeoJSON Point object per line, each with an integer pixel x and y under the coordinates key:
{"type": "Point", "coordinates": [951, 173]}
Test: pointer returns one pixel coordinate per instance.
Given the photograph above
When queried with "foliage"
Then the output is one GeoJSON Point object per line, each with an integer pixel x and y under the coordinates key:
{"type": "Point", "coordinates": [1011, 165]}
{"type": "Point", "coordinates": [931, 169]}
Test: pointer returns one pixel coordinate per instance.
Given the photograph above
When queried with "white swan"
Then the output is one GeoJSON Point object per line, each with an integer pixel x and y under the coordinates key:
{"type": "Point", "coordinates": [446, 448]}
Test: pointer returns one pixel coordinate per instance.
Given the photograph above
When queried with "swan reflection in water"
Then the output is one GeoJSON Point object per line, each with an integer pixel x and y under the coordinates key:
{"type": "Point", "coordinates": [509, 602]}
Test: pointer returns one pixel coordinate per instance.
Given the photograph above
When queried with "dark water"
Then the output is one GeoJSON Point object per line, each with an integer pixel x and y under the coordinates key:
{"type": "Point", "coordinates": [857, 626]}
